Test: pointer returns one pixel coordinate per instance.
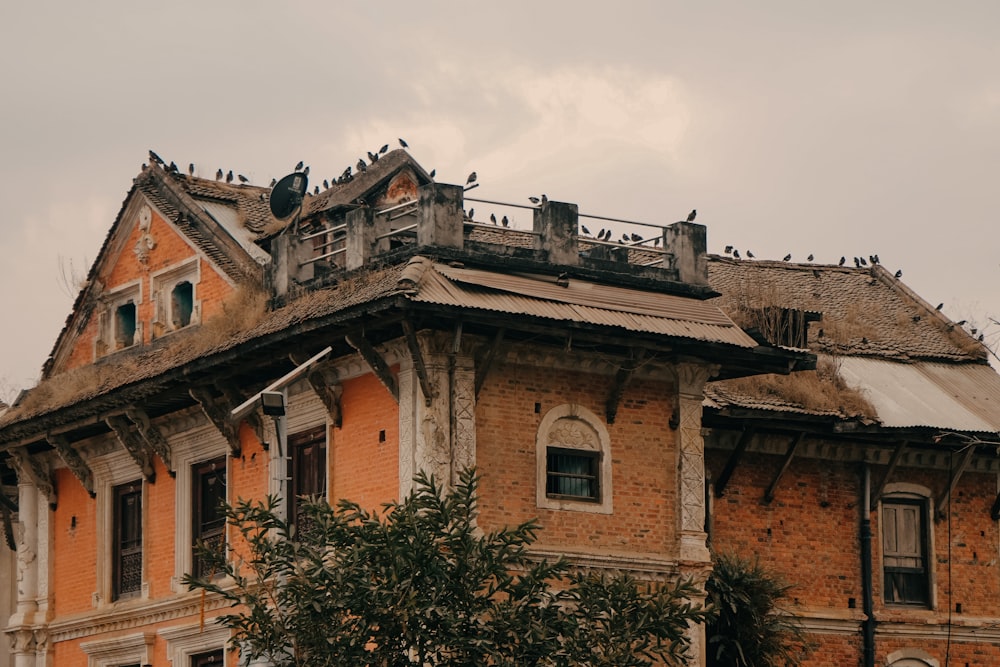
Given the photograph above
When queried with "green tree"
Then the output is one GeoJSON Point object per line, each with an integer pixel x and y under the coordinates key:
{"type": "Point", "coordinates": [749, 628]}
{"type": "Point", "coordinates": [417, 584]}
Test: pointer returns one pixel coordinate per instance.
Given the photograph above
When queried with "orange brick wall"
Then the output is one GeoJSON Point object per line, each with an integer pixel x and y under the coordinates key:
{"type": "Point", "coordinates": [170, 249]}
{"type": "Point", "coordinates": [642, 451]}
{"type": "Point", "coordinates": [362, 469]}
{"type": "Point", "coordinates": [809, 535]}
{"type": "Point", "coordinates": [74, 565]}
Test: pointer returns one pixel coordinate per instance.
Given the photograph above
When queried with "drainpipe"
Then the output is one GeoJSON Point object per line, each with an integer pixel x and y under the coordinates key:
{"type": "Point", "coordinates": [868, 627]}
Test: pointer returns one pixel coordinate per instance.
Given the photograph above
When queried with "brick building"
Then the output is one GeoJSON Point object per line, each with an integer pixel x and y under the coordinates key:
{"type": "Point", "coordinates": [398, 332]}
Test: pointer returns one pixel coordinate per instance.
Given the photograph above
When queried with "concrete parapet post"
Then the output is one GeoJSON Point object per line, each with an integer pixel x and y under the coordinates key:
{"type": "Point", "coordinates": [361, 241]}
{"type": "Point", "coordinates": [287, 255]}
{"type": "Point", "coordinates": [440, 214]}
{"type": "Point", "coordinates": [687, 242]}
{"type": "Point", "coordinates": [555, 224]}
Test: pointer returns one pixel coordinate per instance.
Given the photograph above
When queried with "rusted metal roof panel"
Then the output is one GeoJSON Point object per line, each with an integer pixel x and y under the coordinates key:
{"type": "Point", "coordinates": [579, 301]}
{"type": "Point", "coordinates": [955, 397]}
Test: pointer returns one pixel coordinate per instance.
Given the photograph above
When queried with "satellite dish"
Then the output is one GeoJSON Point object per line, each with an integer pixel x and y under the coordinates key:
{"type": "Point", "coordinates": [287, 194]}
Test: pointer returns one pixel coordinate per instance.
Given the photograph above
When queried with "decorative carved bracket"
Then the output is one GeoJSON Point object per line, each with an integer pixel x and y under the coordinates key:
{"type": "Point", "coordinates": [152, 436]}
{"type": "Point", "coordinates": [418, 361]}
{"type": "Point", "coordinates": [622, 377]}
{"type": "Point", "coordinates": [218, 413]}
{"type": "Point", "coordinates": [897, 456]}
{"type": "Point", "coordinates": [323, 379]}
{"type": "Point", "coordinates": [734, 459]}
{"type": "Point", "coordinates": [74, 462]}
{"type": "Point", "coordinates": [33, 471]}
{"type": "Point", "coordinates": [942, 503]}
{"type": "Point", "coordinates": [133, 443]}
{"type": "Point", "coordinates": [234, 397]}
{"type": "Point", "coordinates": [375, 361]}
{"type": "Point", "coordinates": [483, 369]}
{"type": "Point", "coordinates": [789, 454]}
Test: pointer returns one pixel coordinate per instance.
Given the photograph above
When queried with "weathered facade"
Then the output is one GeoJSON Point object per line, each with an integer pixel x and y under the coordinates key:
{"type": "Point", "coordinates": [396, 334]}
{"type": "Point", "coordinates": [870, 484]}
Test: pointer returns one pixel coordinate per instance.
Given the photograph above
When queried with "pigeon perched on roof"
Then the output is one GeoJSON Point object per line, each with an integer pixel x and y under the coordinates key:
{"type": "Point", "coordinates": [750, 255]}
{"type": "Point", "coordinates": [384, 149]}
{"type": "Point", "coordinates": [326, 184]}
{"type": "Point", "coordinates": [534, 200]}
{"type": "Point", "coordinates": [809, 258]}
{"type": "Point", "coordinates": [583, 228]}
{"type": "Point", "coordinates": [433, 173]}
{"type": "Point", "coordinates": [545, 200]}
{"type": "Point", "coordinates": [471, 179]}
{"type": "Point", "coordinates": [472, 213]}
{"type": "Point", "coordinates": [274, 182]}
{"type": "Point", "coordinates": [692, 215]}
{"type": "Point", "coordinates": [305, 172]}
{"type": "Point", "coordinates": [728, 250]}
{"type": "Point", "coordinates": [243, 179]}
{"type": "Point", "coordinates": [371, 157]}
{"type": "Point", "coordinates": [219, 175]}
{"type": "Point", "coordinates": [635, 237]}
{"type": "Point", "coordinates": [899, 274]}
{"type": "Point", "coordinates": [842, 260]}
{"type": "Point", "coordinates": [403, 144]}
{"type": "Point", "coordinates": [940, 306]}
{"type": "Point", "coordinates": [299, 166]}
{"type": "Point", "coordinates": [191, 169]}
{"type": "Point", "coordinates": [153, 157]}
{"type": "Point", "coordinates": [863, 262]}
{"type": "Point", "coordinates": [787, 258]}
{"type": "Point", "coordinates": [736, 254]}
{"type": "Point", "coordinates": [362, 167]}
{"type": "Point", "coordinates": [493, 218]}
{"type": "Point", "coordinates": [504, 221]}
{"type": "Point", "coordinates": [229, 176]}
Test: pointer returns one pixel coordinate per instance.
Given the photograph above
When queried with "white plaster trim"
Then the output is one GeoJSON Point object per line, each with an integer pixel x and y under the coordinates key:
{"type": "Point", "coordinates": [188, 449]}
{"type": "Point", "coordinates": [111, 470]}
{"type": "Point", "coordinates": [183, 641]}
{"type": "Point", "coordinates": [910, 657]}
{"type": "Point", "coordinates": [575, 414]}
{"type": "Point", "coordinates": [128, 650]}
{"type": "Point", "coordinates": [162, 282]}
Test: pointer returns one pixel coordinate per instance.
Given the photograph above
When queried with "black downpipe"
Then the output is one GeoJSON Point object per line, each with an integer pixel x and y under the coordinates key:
{"type": "Point", "coordinates": [868, 627]}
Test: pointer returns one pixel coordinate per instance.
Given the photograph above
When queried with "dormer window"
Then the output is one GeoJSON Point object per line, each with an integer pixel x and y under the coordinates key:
{"type": "Point", "coordinates": [119, 326]}
{"type": "Point", "coordinates": [175, 293]}
{"type": "Point", "coordinates": [125, 325]}
{"type": "Point", "coordinates": [181, 304]}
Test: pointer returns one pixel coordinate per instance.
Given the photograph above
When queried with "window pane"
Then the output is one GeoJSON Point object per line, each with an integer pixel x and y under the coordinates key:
{"type": "Point", "coordinates": [127, 563]}
{"type": "Point", "coordinates": [308, 470]}
{"type": "Point", "coordinates": [181, 304]}
{"type": "Point", "coordinates": [572, 473]}
{"type": "Point", "coordinates": [904, 545]}
{"type": "Point", "coordinates": [209, 487]}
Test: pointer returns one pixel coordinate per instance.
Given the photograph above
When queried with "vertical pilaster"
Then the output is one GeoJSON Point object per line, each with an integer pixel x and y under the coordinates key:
{"type": "Point", "coordinates": [693, 555]}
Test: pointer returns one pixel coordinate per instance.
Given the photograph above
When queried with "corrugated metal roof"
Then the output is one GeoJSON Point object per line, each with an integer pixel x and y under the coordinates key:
{"type": "Point", "coordinates": [579, 301]}
{"type": "Point", "coordinates": [957, 397]}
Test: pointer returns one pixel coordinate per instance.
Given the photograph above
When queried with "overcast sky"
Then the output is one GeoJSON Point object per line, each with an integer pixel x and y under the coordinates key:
{"type": "Point", "coordinates": [836, 128]}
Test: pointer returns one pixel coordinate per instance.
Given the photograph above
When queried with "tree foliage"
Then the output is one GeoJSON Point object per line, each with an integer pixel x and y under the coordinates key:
{"type": "Point", "coordinates": [418, 584]}
{"type": "Point", "coordinates": [749, 628]}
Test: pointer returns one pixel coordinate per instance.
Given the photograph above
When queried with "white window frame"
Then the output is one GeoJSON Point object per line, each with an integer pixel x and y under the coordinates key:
{"type": "Point", "coordinates": [107, 320]}
{"type": "Point", "coordinates": [571, 426]}
{"type": "Point", "coordinates": [127, 650]}
{"type": "Point", "coordinates": [184, 641]}
{"type": "Point", "coordinates": [162, 284]}
{"type": "Point", "coordinates": [903, 491]}
{"type": "Point", "coordinates": [111, 470]}
{"type": "Point", "coordinates": [196, 446]}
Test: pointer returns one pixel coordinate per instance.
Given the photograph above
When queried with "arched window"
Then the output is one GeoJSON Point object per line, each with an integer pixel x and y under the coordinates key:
{"type": "Point", "coordinates": [573, 458]}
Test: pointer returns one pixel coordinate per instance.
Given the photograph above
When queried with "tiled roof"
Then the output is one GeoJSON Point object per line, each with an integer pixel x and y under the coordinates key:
{"type": "Point", "coordinates": [865, 311]}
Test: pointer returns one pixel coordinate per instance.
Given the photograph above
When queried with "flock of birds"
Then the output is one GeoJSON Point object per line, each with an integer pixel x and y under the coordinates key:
{"type": "Point", "coordinates": [345, 177]}
{"type": "Point", "coordinates": [858, 261]}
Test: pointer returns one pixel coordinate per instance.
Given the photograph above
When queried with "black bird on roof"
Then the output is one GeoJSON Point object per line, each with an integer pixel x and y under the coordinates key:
{"type": "Point", "coordinates": [545, 200]}
{"type": "Point", "coordinates": [493, 218]}
{"type": "Point", "coordinates": [736, 254]}
{"type": "Point", "coordinates": [656, 242]}
{"type": "Point", "coordinates": [326, 184]}
{"type": "Point", "coordinates": [875, 259]}
{"type": "Point", "coordinates": [362, 167]}
{"type": "Point", "coordinates": [504, 221]}
{"type": "Point", "coordinates": [471, 179]}
{"type": "Point", "coordinates": [940, 306]}
{"type": "Point", "coordinates": [433, 173]}
{"type": "Point", "coordinates": [961, 323]}
{"type": "Point", "coordinates": [728, 250]}
{"type": "Point", "coordinates": [384, 149]}
{"type": "Point", "coordinates": [635, 237]}
{"type": "Point", "coordinates": [809, 258]}
{"type": "Point", "coordinates": [863, 262]}
{"type": "Point", "coordinates": [857, 263]}
{"type": "Point", "coordinates": [600, 234]}
{"type": "Point", "coordinates": [898, 274]}
{"type": "Point", "coordinates": [624, 238]}
{"type": "Point", "coordinates": [583, 228]}
{"type": "Point", "coordinates": [299, 166]}
{"type": "Point", "coordinates": [305, 172]}
{"type": "Point", "coordinates": [243, 179]}
{"type": "Point", "coordinates": [842, 260]}
{"type": "Point", "coordinates": [871, 258]}
{"type": "Point", "coordinates": [750, 255]}
{"type": "Point", "coordinates": [274, 181]}
{"type": "Point", "coordinates": [191, 169]}
{"type": "Point", "coordinates": [534, 200]}
{"type": "Point", "coordinates": [403, 144]}
{"type": "Point", "coordinates": [316, 190]}
{"type": "Point", "coordinates": [472, 213]}
{"type": "Point", "coordinates": [371, 157]}
{"type": "Point", "coordinates": [787, 257]}
{"type": "Point", "coordinates": [153, 157]}
{"type": "Point", "coordinates": [374, 157]}
{"type": "Point", "coordinates": [692, 215]}
{"type": "Point", "coordinates": [173, 167]}
{"type": "Point", "coordinates": [981, 337]}
{"type": "Point", "coordinates": [219, 175]}
{"type": "Point", "coordinates": [229, 176]}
